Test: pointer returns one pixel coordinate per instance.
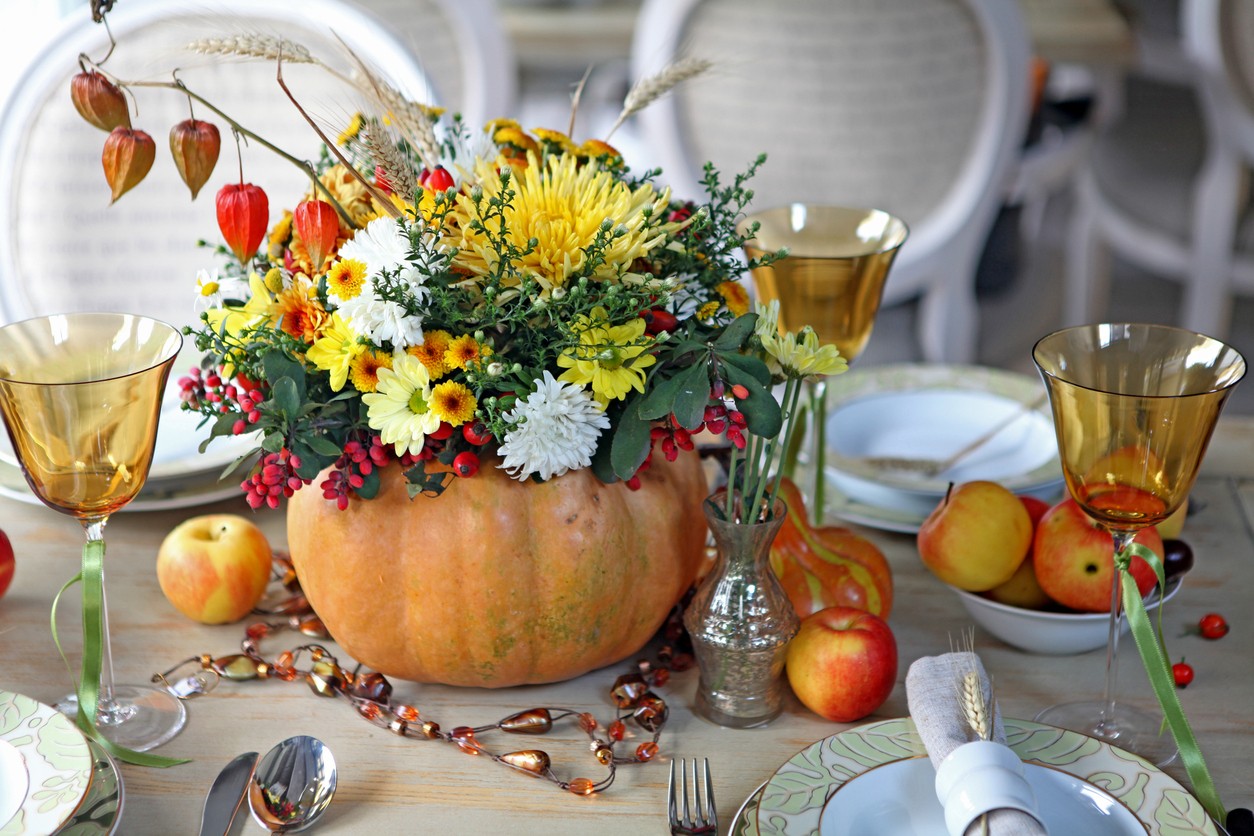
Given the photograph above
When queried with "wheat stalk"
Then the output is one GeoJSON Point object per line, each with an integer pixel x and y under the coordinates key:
{"type": "Point", "coordinates": [253, 45]}
{"type": "Point", "coordinates": [974, 707]}
{"type": "Point", "coordinates": [651, 88]}
{"type": "Point", "coordinates": [384, 151]}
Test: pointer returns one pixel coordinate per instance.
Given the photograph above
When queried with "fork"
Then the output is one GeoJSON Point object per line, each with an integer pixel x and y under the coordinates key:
{"type": "Point", "coordinates": [702, 817]}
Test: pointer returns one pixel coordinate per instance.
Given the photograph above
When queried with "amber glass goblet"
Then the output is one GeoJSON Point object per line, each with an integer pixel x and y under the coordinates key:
{"type": "Point", "coordinates": [1134, 408]}
{"type": "Point", "coordinates": [831, 280]}
{"type": "Point", "coordinates": [81, 396]}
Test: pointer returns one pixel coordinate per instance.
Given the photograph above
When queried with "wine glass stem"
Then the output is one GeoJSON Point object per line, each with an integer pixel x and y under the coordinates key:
{"type": "Point", "coordinates": [1122, 539]}
{"type": "Point", "coordinates": [95, 531]}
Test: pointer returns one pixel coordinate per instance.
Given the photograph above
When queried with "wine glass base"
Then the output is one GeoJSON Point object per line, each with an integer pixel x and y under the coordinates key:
{"type": "Point", "coordinates": [1129, 728]}
{"type": "Point", "coordinates": [139, 718]}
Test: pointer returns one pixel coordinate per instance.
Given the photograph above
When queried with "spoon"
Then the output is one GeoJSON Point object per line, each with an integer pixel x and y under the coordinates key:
{"type": "Point", "coordinates": [292, 785]}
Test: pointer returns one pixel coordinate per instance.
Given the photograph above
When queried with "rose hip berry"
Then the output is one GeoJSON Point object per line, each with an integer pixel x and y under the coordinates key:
{"type": "Point", "coordinates": [1183, 673]}
{"type": "Point", "coordinates": [466, 464]}
{"type": "Point", "coordinates": [1213, 626]}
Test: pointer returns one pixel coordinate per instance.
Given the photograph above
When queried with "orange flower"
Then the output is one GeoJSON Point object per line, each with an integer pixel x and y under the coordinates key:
{"type": "Point", "coordinates": [453, 402]}
{"type": "Point", "coordinates": [461, 351]}
{"type": "Point", "coordinates": [431, 352]}
{"type": "Point", "coordinates": [299, 312]}
{"type": "Point", "coordinates": [346, 278]}
{"type": "Point", "coordinates": [736, 297]}
{"type": "Point", "coordinates": [363, 371]}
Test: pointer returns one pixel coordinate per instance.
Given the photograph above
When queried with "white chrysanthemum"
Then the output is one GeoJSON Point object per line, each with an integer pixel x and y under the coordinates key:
{"type": "Point", "coordinates": [400, 408]}
{"type": "Point", "coordinates": [382, 321]}
{"type": "Point", "coordinates": [382, 245]}
{"type": "Point", "coordinates": [554, 430]}
{"type": "Point", "coordinates": [466, 149]}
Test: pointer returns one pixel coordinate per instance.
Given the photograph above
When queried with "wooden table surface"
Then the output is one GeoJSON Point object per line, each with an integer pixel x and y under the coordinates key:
{"type": "Point", "coordinates": [393, 785]}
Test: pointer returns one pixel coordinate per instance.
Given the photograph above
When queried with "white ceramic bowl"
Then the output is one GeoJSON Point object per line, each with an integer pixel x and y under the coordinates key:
{"type": "Point", "coordinates": [1051, 633]}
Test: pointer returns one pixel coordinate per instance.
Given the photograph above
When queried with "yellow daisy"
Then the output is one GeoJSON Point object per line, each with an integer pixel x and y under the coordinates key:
{"type": "Point", "coordinates": [351, 130]}
{"type": "Point", "coordinates": [460, 352]}
{"type": "Point", "coordinates": [363, 371]}
{"type": "Point", "coordinates": [434, 346]}
{"type": "Point", "coordinates": [795, 355]}
{"type": "Point", "coordinates": [232, 321]}
{"type": "Point", "coordinates": [274, 279]}
{"type": "Point", "coordinates": [335, 350]}
{"type": "Point", "coordinates": [735, 296]}
{"type": "Point", "coordinates": [453, 402]}
{"type": "Point", "coordinates": [611, 359]}
{"type": "Point", "coordinates": [346, 278]}
{"type": "Point", "coordinates": [400, 408]}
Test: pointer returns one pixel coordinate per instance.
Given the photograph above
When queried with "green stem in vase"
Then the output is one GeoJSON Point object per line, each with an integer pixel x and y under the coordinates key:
{"type": "Point", "coordinates": [818, 406]}
{"type": "Point", "coordinates": [791, 404]}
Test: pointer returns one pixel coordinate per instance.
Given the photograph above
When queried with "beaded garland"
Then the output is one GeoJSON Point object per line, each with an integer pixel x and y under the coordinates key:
{"type": "Point", "coordinates": [370, 693]}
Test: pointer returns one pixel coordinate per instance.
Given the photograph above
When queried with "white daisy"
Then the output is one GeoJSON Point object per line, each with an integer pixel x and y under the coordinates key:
{"type": "Point", "coordinates": [213, 291]}
{"type": "Point", "coordinates": [382, 245]}
{"type": "Point", "coordinates": [554, 430]}
{"type": "Point", "coordinates": [382, 321]}
{"type": "Point", "coordinates": [400, 408]}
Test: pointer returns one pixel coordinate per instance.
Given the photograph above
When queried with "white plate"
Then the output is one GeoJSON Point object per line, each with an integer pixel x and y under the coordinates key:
{"type": "Point", "coordinates": [58, 763]}
{"type": "Point", "coordinates": [931, 411]}
{"type": "Point", "coordinates": [101, 810]}
{"type": "Point", "coordinates": [899, 799]}
{"type": "Point", "coordinates": [794, 798]}
{"type": "Point", "coordinates": [13, 781]}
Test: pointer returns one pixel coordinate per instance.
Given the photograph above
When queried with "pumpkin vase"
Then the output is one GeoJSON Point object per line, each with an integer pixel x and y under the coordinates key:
{"type": "Point", "coordinates": [498, 582]}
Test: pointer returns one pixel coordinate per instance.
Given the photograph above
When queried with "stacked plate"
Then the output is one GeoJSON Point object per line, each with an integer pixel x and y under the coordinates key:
{"type": "Point", "coordinates": [929, 412]}
{"type": "Point", "coordinates": [52, 779]}
{"type": "Point", "coordinates": [878, 779]}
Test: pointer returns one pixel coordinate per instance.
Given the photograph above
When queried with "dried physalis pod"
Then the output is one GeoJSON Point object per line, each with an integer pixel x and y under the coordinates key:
{"type": "Point", "coordinates": [318, 226]}
{"type": "Point", "coordinates": [127, 158]}
{"type": "Point", "coordinates": [243, 214]}
{"type": "Point", "coordinates": [99, 101]}
{"type": "Point", "coordinates": [195, 145]}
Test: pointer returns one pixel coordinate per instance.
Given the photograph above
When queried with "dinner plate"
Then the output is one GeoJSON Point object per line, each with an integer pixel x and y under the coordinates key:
{"type": "Point", "coordinates": [794, 799]}
{"type": "Point", "coordinates": [101, 810]}
{"type": "Point", "coordinates": [931, 411]}
{"type": "Point", "coordinates": [58, 763]}
{"type": "Point", "coordinates": [13, 781]}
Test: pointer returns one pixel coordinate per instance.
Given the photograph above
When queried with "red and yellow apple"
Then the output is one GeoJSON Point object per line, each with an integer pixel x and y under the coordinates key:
{"type": "Point", "coordinates": [1074, 558]}
{"type": "Point", "coordinates": [214, 568]}
{"type": "Point", "coordinates": [842, 664]}
{"type": "Point", "coordinates": [7, 563]}
{"type": "Point", "coordinates": [1023, 589]}
{"type": "Point", "coordinates": [977, 537]}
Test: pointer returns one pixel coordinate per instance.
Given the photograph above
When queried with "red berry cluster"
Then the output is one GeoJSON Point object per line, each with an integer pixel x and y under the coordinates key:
{"type": "Point", "coordinates": [717, 419]}
{"type": "Point", "coordinates": [275, 477]}
{"type": "Point", "coordinates": [240, 395]}
{"type": "Point", "coordinates": [360, 458]}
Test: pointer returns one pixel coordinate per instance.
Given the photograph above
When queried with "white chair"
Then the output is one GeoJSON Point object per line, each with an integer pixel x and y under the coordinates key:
{"type": "Point", "coordinates": [918, 108]}
{"type": "Point", "coordinates": [63, 247]}
{"type": "Point", "coordinates": [1167, 187]}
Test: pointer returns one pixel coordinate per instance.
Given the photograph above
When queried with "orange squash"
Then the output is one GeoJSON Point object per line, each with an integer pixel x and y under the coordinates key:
{"type": "Point", "coordinates": [498, 582]}
{"type": "Point", "coordinates": [828, 566]}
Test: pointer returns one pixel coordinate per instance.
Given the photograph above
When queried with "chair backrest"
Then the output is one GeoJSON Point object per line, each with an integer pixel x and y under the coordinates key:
{"type": "Point", "coordinates": [911, 106]}
{"type": "Point", "coordinates": [63, 247]}
{"type": "Point", "coordinates": [1219, 38]}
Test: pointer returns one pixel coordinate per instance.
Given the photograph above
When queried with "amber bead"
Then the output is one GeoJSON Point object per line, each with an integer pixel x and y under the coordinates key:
{"type": "Point", "coordinates": [627, 690]}
{"type": "Point", "coordinates": [371, 686]}
{"type": "Point", "coordinates": [284, 673]}
{"type": "Point", "coordinates": [264, 670]}
{"type": "Point", "coordinates": [682, 662]}
{"type": "Point", "coordinates": [646, 751]}
{"type": "Point", "coordinates": [329, 670]}
{"type": "Point", "coordinates": [587, 722]}
{"type": "Point", "coordinates": [581, 786]}
{"type": "Point", "coordinates": [369, 710]}
{"type": "Point", "coordinates": [285, 659]}
{"type": "Point", "coordinates": [398, 726]}
{"type": "Point", "coordinates": [617, 730]}
{"type": "Point", "coordinates": [604, 756]}
{"type": "Point", "coordinates": [528, 760]}
{"type": "Point", "coordinates": [238, 667]}
{"type": "Point", "coordinates": [660, 677]}
{"type": "Point", "coordinates": [652, 712]}
{"type": "Point", "coordinates": [431, 730]}
{"type": "Point", "coordinates": [464, 736]}
{"type": "Point", "coordinates": [534, 721]}
{"type": "Point", "coordinates": [323, 686]}
{"type": "Point", "coordinates": [313, 627]}
{"type": "Point", "coordinates": [407, 713]}
{"type": "Point", "coordinates": [257, 631]}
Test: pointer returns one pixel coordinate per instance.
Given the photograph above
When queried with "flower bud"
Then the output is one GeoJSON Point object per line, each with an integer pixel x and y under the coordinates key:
{"type": "Point", "coordinates": [99, 101]}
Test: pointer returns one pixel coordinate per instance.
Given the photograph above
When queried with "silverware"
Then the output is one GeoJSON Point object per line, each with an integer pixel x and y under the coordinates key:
{"type": "Point", "coordinates": [226, 795]}
{"type": "Point", "coordinates": [701, 818]}
{"type": "Point", "coordinates": [292, 785]}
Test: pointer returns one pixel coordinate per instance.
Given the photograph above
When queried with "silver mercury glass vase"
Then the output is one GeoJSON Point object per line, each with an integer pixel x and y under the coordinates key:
{"type": "Point", "coordinates": [740, 621]}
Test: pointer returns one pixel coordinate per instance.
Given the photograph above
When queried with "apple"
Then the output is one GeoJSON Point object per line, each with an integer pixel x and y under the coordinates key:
{"type": "Point", "coordinates": [7, 564]}
{"type": "Point", "coordinates": [842, 664]}
{"type": "Point", "coordinates": [1023, 589]}
{"type": "Point", "coordinates": [214, 568]}
{"type": "Point", "coordinates": [1170, 528]}
{"type": "Point", "coordinates": [1074, 558]}
{"type": "Point", "coordinates": [976, 537]}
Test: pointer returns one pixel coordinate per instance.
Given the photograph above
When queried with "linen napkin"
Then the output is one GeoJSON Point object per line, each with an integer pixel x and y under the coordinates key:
{"type": "Point", "coordinates": [934, 693]}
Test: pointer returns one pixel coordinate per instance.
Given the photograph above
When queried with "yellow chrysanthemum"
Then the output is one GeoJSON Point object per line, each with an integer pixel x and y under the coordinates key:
{"type": "Point", "coordinates": [512, 136]}
{"type": "Point", "coordinates": [556, 138]}
{"type": "Point", "coordinates": [335, 350]}
{"type": "Point", "coordinates": [495, 125]}
{"type": "Point", "coordinates": [346, 278]}
{"type": "Point", "coordinates": [300, 313]}
{"type": "Point", "coordinates": [596, 149]}
{"type": "Point", "coordinates": [735, 297]}
{"type": "Point", "coordinates": [707, 310]}
{"type": "Point", "coordinates": [562, 206]}
{"type": "Point", "coordinates": [349, 193]}
{"type": "Point", "coordinates": [434, 346]}
{"type": "Point", "coordinates": [461, 352]}
{"type": "Point", "coordinates": [363, 371]}
{"type": "Point", "coordinates": [351, 130]}
{"type": "Point", "coordinates": [453, 402]}
{"type": "Point", "coordinates": [795, 355]}
{"type": "Point", "coordinates": [400, 409]}
{"type": "Point", "coordinates": [611, 359]}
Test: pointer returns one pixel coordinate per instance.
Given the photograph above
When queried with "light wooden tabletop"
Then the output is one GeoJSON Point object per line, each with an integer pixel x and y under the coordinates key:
{"type": "Point", "coordinates": [393, 785]}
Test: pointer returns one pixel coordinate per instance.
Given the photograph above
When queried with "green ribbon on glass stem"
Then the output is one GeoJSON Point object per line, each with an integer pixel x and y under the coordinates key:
{"type": "Point", "coordinates": [88, 689]}
{"type": "Point", "coordinates": [1154, 658]}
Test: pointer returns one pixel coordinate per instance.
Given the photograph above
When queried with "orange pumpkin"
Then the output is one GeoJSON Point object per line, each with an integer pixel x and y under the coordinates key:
{"type": "Point", "coordinates": [498, 582]}
{"type": "Point", "coordinates": [828, 566]}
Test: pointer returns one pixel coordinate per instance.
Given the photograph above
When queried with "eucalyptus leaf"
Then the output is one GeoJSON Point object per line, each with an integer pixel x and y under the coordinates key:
{"type": "Point", "coordinates": [735, 335]}
{"type": "Point", "coordinates": [273, 442]}
{"type": "Point", "coordinates": [277, 366]}
{"type": "Point", "coordinates": [323, 445]}
{"type": "Point", "coordinates": [630, 444]}
{"type": "Point", "coordinates": [692, 397]}
{"type": "Point", "coordinates": [369, 485]}
{"type": "Point", "coordinates": [745, 364]}
{"type": "Point", "coordinates": [763, 416]}
{"type": "Point", "coordinates": [287, 396]}
{"type": "Point", "coordinates": [660, 401]}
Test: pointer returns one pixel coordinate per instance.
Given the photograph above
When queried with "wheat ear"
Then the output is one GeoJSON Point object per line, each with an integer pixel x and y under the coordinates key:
{"type": "Point", "coordinates": [413, 120]}
{"type": "Point", "coordinates": [253, 45]}
{"type": "Point", "coordinates": [651, 88]}
{"type": "Point", "coordinates": [384, 151]}
{"type": "Point", "coordinates": [975, 707]}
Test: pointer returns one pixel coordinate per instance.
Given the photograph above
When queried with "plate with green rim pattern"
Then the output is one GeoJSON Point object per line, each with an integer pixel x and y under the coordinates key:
{"type": "Point", "coordinates": [792, 802]}
{"type": "Point", "coordinates": [58, 763]}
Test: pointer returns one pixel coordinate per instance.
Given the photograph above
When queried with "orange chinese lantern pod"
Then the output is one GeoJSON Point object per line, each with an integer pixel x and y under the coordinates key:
{"type": "Point", "coordinates": [99, 101]}
{"type": "Point", "coordinates": [195, 147]}
{"type": "Point", "coordinates": [127, 158]}
{"type": "Point", "coordinates": [243, 213]}
{"type": "Point", "coordinates": [318, 226]}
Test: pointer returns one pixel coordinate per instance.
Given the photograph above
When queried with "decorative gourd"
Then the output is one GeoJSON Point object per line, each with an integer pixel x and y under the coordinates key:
{"type": "Point", "coordinates": [498, 582]}
{"type": "Point", "coordinates": [828, 566]}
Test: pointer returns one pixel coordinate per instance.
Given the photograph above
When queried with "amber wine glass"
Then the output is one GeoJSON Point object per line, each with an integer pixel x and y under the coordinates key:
{"type": "Point", "coordinates": [81, 396]}
{"type": "Point", "coordinates": [832, 280]}
{"type": "Point", "coordinates": [1134, 407]}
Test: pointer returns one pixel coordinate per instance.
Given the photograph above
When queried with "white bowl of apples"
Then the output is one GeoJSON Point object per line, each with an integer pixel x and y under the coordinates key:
{"type": "Point", "coordinates": [1039, 577]}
